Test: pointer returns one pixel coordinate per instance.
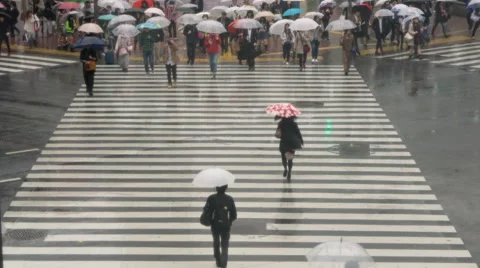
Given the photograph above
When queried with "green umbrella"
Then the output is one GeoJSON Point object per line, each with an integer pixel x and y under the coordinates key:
{"type": "Point", "coordinates": [108, 17]}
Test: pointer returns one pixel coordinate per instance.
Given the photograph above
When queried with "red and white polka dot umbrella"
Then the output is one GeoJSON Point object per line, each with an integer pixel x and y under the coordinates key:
{"type": "Point", "coordinates": [284, 110]}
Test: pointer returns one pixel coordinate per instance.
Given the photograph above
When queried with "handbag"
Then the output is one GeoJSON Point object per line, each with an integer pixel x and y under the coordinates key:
{"type": "Point", "coordinates": [278, 133]}
{"type": "Point", "coordinates": [122, 51]}
{"type": "Point", "coordinates": [306, 48]}
{"type": "Point", "coordinates": [90, 66]}
{"type": "Point", "coordinates": [408, 37]}
{"type": "Point", "coordinates": [36, 26]}
{"type": "Point", "coordinates": [130, 48]}
{"type": "Point", "coordinates": [207, 215]}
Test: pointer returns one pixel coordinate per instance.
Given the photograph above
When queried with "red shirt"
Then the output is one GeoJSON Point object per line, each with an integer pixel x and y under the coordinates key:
{"type": "Point", "coordinates": [213, 43]}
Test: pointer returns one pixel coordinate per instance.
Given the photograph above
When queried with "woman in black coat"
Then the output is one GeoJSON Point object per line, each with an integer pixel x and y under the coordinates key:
{"type": "Point", "coordinates": [87, 55]}
{"type": "Point", "coordinates": [290, 140]}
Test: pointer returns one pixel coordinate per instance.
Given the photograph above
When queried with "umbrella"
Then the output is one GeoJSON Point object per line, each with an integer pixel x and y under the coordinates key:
{"type": "Point", "coordinates": [278, 27]}
{"type": "Point", "coordinates": [411, 17]}
{"type": "Point", "coordinates": [384, 13]}
{"type": "Point", "coordinates": [247, 24]}
{"type": "Point", "coordinates": [325, 2]}
{"type": "Point", "coordinates": [231, 11]}
{"type": "Point", "coordinates": [340, 25]}
{"type": "Point", "coordinates": [139, 3]}
{"type": "Point", "coordinates": [231, 27]}
{"type": "Point", "coordinates": [107, 17]}
{"type": "Point", "coordinates": [473, 2]}
{"type": "Point", "coordinates": [154, 11]}
{"type": "Point", "coordinates": [95, 42]}
{"type": "Point", "coordinates": [339, 254]}
{"type": "Point", "coordinates": [304, 24]}
{"type": "Point", "coordinates": [134, 11]}
{"type": "Point", "coordinates": [186, 19]}
{"type": "Point", "coordinates": [160, 21]}
{"type": "Point", "coordinates": [260, 2]}
{"type": "Point", "coordinates": [187, 8]}
{"type": "Point", "coordinates": [211, 26]}
{"type": "Point", "coordinates": [147, 25]}
{"type": "Point", "coordinates": [106, 3]}
{"type": "Point", "coordinates": [284, 110]}
{"type": "Point", "coordinates": [5, 15]}
{"type": "Point", "coordinates": [381, 2]}
{"type": "Point", "coordinates": [218, 10]}
{"type": "Point", "coordinates": [213, 177]}
{"type": "Point", "coordinates": [311, 15]}
{"type": "Point", "coordinates": [126, 29]}
{"type": "Point", "coordinates": [265, 14]}
{"type": "Point", "coordinates": [396, 8]}
{"type": "Point", "coordinates": [204, 13]}
{"type": "Point", "coordinates": [292, 12]}
{"type": "Point", "coordinates": [90, 28]}
{"type": "Point", "coordinates": [65, 16]}
{"type": "Point", "coordinates": [345, 4]}
{"type": "Point", "coordinates": [277, 17]}
{"type": "Point", "coordinates": [68, 5]}
{"type": "Point", "coordinates": [121, 19]}
{"type": "Point", "coordinates": [243, 10]}
{"type": "Point", "coordinates": [2, 6]}
{"type": "Point", "coordinates": [122, 5]}
{"type": "Point", "coordinates": [226, 2]}
{"type": "Point", "coordinates": [409, 11]}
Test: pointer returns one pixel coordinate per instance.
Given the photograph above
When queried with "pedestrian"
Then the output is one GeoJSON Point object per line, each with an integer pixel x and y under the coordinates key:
{"type": "Point", "coordinates": [225, 21]}
{"type": "Point", "coordinates": [475, 18]}
{"type": "Point", "coordinates": [414, 37]}
{"type": "Point", "coordinates": [381, 28]}
{"type": "Point", "coordinates": [147, 42]}
{"type": "Point", "coordinates": [212, 45]}
{"type": "Point", "coordinates": [4, 28]}
{"type": "Point", "coordinates": [14, 13]}
{"type": "Point", "coordinates": [290, 140]}
{"type": "Point", "coordinates": [171, 14]}
{"type": "Point", "coordinates": [30, 27]}
{"type": "Point", "coordinates": [441, 16]}
{"type": "Point", "coordinates": [249, 45]}
{"type": "Point", "coordinates": [315, 43]}
{"type": "Point", "coordinates": [347, 43]}
{"type": "Point", "coordinates": [301, 48]}
{"type": "Point", "coordinates": [70, 29]}
{"type": "Point", "coordinates": [122, 50]}
{"type": "Point", "coordinates": [159, 37]}
{"type": "Point", "coordinates": [88, 57]}
{"type": "Point", "coordinates": [263, 33]}
{"type": "Point", "coordinates": [288, 39]}
{"type": "Point", "coordinates": [191, 35]}
{"type": "Point", "coordinates": [171, 59]}
{"type": "Point", "coordinates": [109, 56]}
{"type": "Point", "coordinates": [223, 211]}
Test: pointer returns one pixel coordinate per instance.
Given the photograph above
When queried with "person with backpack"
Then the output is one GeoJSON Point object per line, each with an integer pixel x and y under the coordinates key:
{"type": "Point", "coordinates": [220, 208]}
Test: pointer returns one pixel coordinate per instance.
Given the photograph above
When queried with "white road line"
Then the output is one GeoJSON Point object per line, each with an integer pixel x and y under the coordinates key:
{"type": "Point", "coordinates": [222, 94]}
{"type": "Point", "coordinates": [102, 194]}
{"type": "Point", "coordinates": [10, 180]}
{"type": "Point", "coordinates": [219, 138]}
{"type": "Point", "coordinates": [183, 132]}
{"type": "Point", "coordinates": [262, 177]}
{"type": "Point", "coordinates": [23, 56]}
{"type": "Point", "coordinates": [153, 126]}
{"type": "Point", "coordinates": [182, 84]}
{"type": "Point", "coordinates": [361, 228]}
{"type": "Point", "coordinates": [451, 60]}
{"type": "Point", "coordinates": [11, 70]}
{"type": "Point", "coordinates": [265, 119]}
{"type": "Point", "coordinates": [244, 111]}
{"type": "Point", "coordinates": [468, 62]}
{"type": "Point", "coordinates": [31, 62]}
{"type": "Point", "coordinates": [461, 46]}
{"type": "Point", "coordinates": [23, 151]}
{"type": "Point", "coordinates": [212, 105]}
{"type": "Point", "coordinates": [17, 65]}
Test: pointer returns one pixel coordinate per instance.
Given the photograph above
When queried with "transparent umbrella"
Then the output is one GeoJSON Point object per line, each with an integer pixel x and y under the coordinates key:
{"type": "Point", "coordinates": [211, 26]}
{"type": "Point", "coordinates": [339, 254]}
{"type": "Point", "coordinates": [311, 15]}
{"type": "Point", "coordinates": [278, 27]}
{"type": "Point", "coordinates": [126, 29]}
{"type": "Point", "coordinates": [187, 19]}
{"type": "Point", "coordinates": [160, 21]}
{"type": "Point", "coordinates": [154, 11]}
{"type": "Point", "coordinates": [303, 24]}
{"type": "Point", "coordinates": [384, 13]}
{"type": "Point", "coordinates": [218, 10]}
{"type": "Point", "coordinates": [264, 14]}
{"type": "Point", "coordinates": [247, 24]}
{"type": "Point", "coordinates": [340, 25]}
{"type": "Point", "coordinates": [90, 28]}
{"type": "Point", "coordinates": [345, 4]}
{"type": "Point", "coordinates": [121, 19]}
{"type": "Point", "coordinates": [213, 177]}
{"type": "Point", "coordinates": [187, 8]}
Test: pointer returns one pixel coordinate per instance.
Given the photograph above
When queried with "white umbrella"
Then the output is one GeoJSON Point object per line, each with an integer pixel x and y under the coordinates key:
{"type": "Point", "coordinates": [265, 14]}
{"type": "Point", "coordinates": [384, 13]}
{"type": "Point", "coordinates": [154, 11]}
{"type": "Point", "coordinates": [211, 26]}
{"type": "Point", "coordinates": [381, 2]}
{"type": "Point", "coordinates": [121, 19]}
{"type": "Point", "coordinates": [326, 2]}
{"type": "Point", "coordinates": [345, 4]}
{"type": "Point", "coordinates": [409, 11]}
{"type": "Point", "coordinates": [339, 254]}
{"type": "Point", "coordinates": [187, 8]}
{"type": "Point", "coordinates": [126, 29]}
{"type": "Point", "coordinates": [218, 10]}
{"type": "Point", "coordinates": [260, 2]}
{"type": "Point", "coordinates": [278, 27]}
{"type": "Point", "coordinates": [213, 177]}
{"type": "Point", "coordinates": [106, 3]}
{"type": "Point", "coordinates": [90, 28]}
{"type": "Point", "coordinates": [186, 19]}
{"type": "Point", "coordinates": [232, 10]}
{"type": "Point", "coordinates": [201, 14]}
{"type": "Point", "coordinates": [411, 17]}
{"type": "Point", "coordinates": [247, 24]}
{"type": "Point", "coordinates": [303, 24]}
{"type": "Point", "coordinates": [398, 7]}
{"type": "Point", "coordinates": [340, 25]}
{"type": "Point", "coordinates": [277, 17]}
{"type": "Point", "coordinates": [160, 21]}
{"type": "Point", "coordinates": [311, 15]}
{"type": "Point", "coordinates": [243, 10]}
{"type": "Point", "coordinates": [225, 2]}
{"type": "Point", "coordinates": [473, 2]}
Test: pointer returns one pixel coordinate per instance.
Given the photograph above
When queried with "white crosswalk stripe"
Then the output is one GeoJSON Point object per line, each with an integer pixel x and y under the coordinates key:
{"type": "Point", "coordinates": [17, 63]}
{"type": "Point", "coordinates": [461, 55]}
{"type": "Point", "coordinates": [113, 186]}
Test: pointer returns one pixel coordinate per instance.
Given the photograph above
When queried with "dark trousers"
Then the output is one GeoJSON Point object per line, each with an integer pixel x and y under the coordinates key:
{"type": "Point", "coordinates": [379, 44]}
{"type": "Point", "coordinates": [287, 47]}
{"type": "Point", "coordinates": [325, 33]}
{"type": "Point", "coordinates": [302, 59]}
{"type": "Point", "coordinates": [148, 60]}
{"type": "Point", "coordinates": [221, 238]}
{"type": "Point", "coordinates": [13, 29]}
{"type": "Point", "coordinates": [88, 77]}
{"type": "Point", "coordinates": [5, 38]}
{"type": "Point", "coordinates": [475, 27]}
{"type": "Point", "coordinates": [171, 70]}
{"type": "Point", "coordinates": [444, 28]}
{"type": "Point", "coordinates": [224, 38]}
{"type": "Point", "coordinates": [172, 29]}
{"type": "Point", "coordinates": [191, 52]}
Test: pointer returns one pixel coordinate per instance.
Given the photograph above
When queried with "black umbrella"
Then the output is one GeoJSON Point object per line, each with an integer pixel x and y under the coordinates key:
{"type": "Point", "coordinates": [5, 15]}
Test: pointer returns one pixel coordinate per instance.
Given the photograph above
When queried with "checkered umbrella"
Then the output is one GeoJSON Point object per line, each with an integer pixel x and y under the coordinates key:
{"type": "Point", "coordinates": [284, 110]}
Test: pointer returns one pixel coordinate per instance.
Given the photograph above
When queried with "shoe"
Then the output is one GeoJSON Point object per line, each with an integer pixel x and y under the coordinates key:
{"type": "Point", "coordinates": [313, 60]}
{"type": "Point", "coordinates": [346, 73]}
{"type": "Point", "coordinates": [169, 86]}
{"type": "Point", "coordinates": [90, 94]}
{"type": "Point", "coordinates": [174, 83]}
{"type": "Point", "coordinates": [285, 173]}
{"type": "Point", "coordinates": [289, 175]}
{"type": "Point", "coordinates": [10, 54]}
{"type": "Point", "coordinates": [214, 75]}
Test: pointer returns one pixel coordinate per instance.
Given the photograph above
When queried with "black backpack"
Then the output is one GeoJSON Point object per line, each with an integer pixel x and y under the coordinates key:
{"type": "Point", "coordinates": [217, 212]}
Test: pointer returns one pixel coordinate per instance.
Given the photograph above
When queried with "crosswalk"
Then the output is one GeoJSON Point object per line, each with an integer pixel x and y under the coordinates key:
{"type": "Point", "coordinates": [459, 55]}
{"type": "Point", "coordinates": [17, 63]}
{"type": "Point", "coordinates": [112, 188]}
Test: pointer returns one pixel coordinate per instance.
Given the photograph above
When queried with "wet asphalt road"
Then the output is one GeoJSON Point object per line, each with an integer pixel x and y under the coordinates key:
{"type": "Point", "coordinates": [434, 108]}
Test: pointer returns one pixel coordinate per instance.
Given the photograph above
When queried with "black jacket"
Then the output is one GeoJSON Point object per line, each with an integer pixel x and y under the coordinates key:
{"type": "Point", "coordinates": [192, 37]}
{"type": "Point", "coordinates": [4, 27]}
{"type": "Point", "coordinates": [291, 138]}
{"type": "Point", "coordinates": [86, 53]}
{"type": "Point", "coordinates": [226, 201]}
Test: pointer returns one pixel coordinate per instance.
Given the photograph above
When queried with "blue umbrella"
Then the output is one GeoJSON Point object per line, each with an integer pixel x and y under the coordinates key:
{"type": "Point", "coordinates": [107, 17]}
{"type": "Point", "coordinates": [95, 42]}
{"type": "Point", "coordinates": [292, 12]}
{"type": "Point", "coordinates": [147, 25]}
